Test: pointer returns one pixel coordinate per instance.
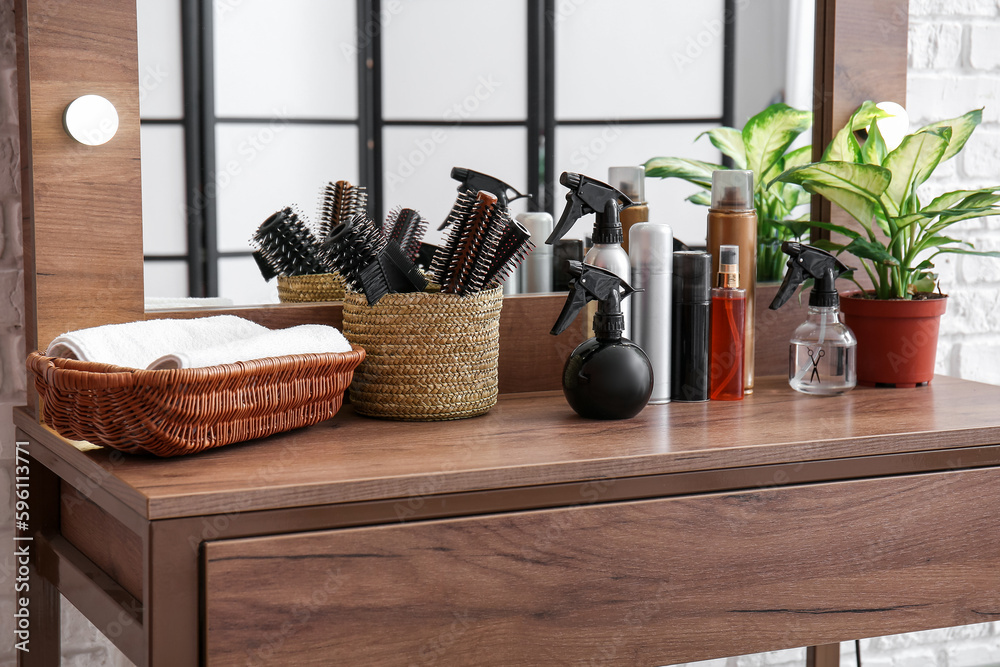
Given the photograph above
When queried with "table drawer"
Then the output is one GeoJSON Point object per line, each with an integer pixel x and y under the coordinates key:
{"type": "Point", "coordinates": [637, 583]}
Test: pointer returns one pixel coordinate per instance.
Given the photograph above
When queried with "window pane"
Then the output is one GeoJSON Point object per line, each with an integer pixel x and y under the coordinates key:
{"type": "Point", "coordinates": [161, 76]}
{"type": "Point", "coordinates": [658, 59]}
{"type": "Point", "coordinates": [263, 168]}
{"type": "Point", "coordinates": [454, 60]}
{"type": "Point", "coordinates": [164, 212]}
{"type": "Point", "coordinates": [240, 280]}
{"type": "Point", "coordinates": [294, 58]}
{"type": "Point", "coordinates": [592, 149]}
{"type": "Point", "coordinates": [165, 279]}
{"type": "Point", "coordinates": [418, 162]}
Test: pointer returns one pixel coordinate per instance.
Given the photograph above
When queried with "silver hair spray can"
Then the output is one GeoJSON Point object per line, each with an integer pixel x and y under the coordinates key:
{"type": "Point", "coordinates": [651, 254]}
{"type": "Point", "coordinates": [536, 269]}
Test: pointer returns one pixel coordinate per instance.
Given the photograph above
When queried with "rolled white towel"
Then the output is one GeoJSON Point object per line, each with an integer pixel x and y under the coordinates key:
{"type": "Point", "coordinates": [303, 339]}
{"type": "Point", "coordinates": [145, 344]}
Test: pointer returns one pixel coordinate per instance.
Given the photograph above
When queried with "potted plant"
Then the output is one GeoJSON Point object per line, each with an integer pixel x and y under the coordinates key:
{"type": "Point", "coordinates": [763, 147]}
{"type": "Point", "coordinates": [898, 237]}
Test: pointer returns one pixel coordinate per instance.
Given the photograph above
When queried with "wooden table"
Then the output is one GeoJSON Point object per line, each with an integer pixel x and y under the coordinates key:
{"type": "Point", "coordinates": [530, 536]}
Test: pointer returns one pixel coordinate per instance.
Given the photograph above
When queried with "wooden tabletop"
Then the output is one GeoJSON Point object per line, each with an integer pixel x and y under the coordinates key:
{"type": "Point", "coordinates": [536, 439]}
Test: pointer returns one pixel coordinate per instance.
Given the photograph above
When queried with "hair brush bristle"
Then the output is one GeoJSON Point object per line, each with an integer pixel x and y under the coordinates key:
{"type": "Point", "coordinates": [284, 244]}
{"type": "Point", "coordinates": [515, 243]}
{"type": "Point", "coordinates": [340, 202]}
{"type": "Point", "coordinates": [351, 246]}
{"type": "Point", "coordinates": [406, 227]}
{"type": "Point", "coordinates": [471, 246]}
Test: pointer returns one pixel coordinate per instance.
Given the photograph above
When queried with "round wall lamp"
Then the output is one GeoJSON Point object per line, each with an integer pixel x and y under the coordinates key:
{"type": "Point", "coordinates": [92, 120]}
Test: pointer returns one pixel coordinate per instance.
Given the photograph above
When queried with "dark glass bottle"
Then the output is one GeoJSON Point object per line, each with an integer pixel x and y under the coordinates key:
{"type": "Point", "coordinates": [689, 347]}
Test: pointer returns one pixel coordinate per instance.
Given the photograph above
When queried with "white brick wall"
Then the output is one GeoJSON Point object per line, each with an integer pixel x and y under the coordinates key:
{"type": "Point", "coordinates": [954, 67]}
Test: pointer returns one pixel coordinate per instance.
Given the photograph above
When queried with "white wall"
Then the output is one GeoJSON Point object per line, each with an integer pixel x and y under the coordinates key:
{"type": "Point", "coordinates": [954, 67]}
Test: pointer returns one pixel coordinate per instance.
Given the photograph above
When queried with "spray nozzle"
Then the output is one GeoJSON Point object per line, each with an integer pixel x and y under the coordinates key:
{"type": "Point", "coordinates": [475, 181]}
{"type": "Point", "coordinates": [587, 195]}
{"type": "Point", "coordinates": [805, 262]}
{"type": "Point", "coordinates": [592, 283]}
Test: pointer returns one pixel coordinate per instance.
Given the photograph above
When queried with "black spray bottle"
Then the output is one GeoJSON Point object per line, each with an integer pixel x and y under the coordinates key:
{"type": "Point", "coordinates": [821, 356]}
{"type": "Point", "coordinates": [587, 195]}
{"type": "Point", "coordinates": [608, 376]}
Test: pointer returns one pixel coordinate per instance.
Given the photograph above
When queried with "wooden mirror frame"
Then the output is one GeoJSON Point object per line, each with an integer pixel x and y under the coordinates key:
{"type": "Point", "coordinates": [82, 209]}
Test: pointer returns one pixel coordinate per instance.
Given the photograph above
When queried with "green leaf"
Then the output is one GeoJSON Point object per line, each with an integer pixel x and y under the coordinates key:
{"type": "Point", "coordinates": [791, 228]}
{"type": "Point", "coordinates": [702, 198]}
{"type": "Point", "coordinates": [874, 150]}
{"type": "Point", "coordinates": [797, 158]}
{"type": "Point", "coordinates": [963, 251]}
{"type": "Point", "coordinates": [730, 142]}
{"type": "Point", "coordinates": [905, 221]}
{"type": "Point", "coordinates": [692, 171]}
{"type": "Point", "coordinates": [829, 246]}
{"type": "Point", "coordinates": [856, 188]}
{"type": "Point", "coordinates": [961, 130]}
{"type": "Point", "coordinates": [843, 147]}
{"type": "Point", "coordinates": [925, 283]}
{"type": "Point", "coordinates": [939, 241]}
{"type": "Point", "coordinates": [949, 199]}
{"type": "Point", "coordinates": [951, 216]}
{"type": "Point", "coordinates": [912, 163]}
{"type": "Point", "coordinates": [979, 200]}
{"type": "Point", "coordinates": [767, 136]}
{"type": "Point", "coordinates": [867, 250]}
{"type": "Point", "coordinates": [846, 231]}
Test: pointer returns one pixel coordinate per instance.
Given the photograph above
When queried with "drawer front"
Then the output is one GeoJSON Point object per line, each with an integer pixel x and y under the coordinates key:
{"type": "Point", "coordinates": [638, 583]}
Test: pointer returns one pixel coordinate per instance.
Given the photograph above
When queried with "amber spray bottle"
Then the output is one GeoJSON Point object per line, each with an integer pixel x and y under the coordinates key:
{"type": "Point", "coordinates": [729, 305]}
{"type": "Point", "coordinates": [732, 220]}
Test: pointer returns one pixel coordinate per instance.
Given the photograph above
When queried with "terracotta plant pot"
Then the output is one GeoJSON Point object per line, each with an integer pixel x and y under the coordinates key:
{"type": "Point", "coordinates": [897, 339]}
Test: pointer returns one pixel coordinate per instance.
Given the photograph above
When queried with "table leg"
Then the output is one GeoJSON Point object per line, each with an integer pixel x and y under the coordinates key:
{"type": "Point", "coordinates": [42, 631]}
{"type": "Point", "coordinates": [827, 655]}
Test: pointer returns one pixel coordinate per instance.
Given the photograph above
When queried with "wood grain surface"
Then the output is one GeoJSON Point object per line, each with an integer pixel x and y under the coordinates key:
{"type": "Point", "coordinates": [643, 583]}
{"type": "Point", "coordinates": [82, 205]}
{"type": "Point", "coordinates": [532, 439]}
{"type": "Point", "coordinates": [103, 539]}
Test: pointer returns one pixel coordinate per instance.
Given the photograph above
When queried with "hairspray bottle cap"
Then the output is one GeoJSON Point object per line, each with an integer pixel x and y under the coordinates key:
{"type": "Point", "coordinates": [692, 276]}
{"type": "Point", "coordinates": [732, 190]}
{"type": "Point", "coordinates": [631, 181]}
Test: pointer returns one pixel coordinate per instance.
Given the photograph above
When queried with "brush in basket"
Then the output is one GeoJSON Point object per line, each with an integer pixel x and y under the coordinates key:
{"type": "Point", "coordinates": [371, 263]}
{"type": "Point", "coordinates": [483, 246]}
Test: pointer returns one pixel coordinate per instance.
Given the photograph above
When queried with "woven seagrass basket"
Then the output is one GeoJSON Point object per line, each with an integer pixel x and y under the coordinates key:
{"type": "Point", "coordinates": [187, 410]}
{"type": "Point", "coordinates": [318, 287]}
{"type": "Point", "coordinates": [429, 356]}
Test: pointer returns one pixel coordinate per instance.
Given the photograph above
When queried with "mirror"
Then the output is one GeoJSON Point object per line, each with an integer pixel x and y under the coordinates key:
{"type": "Point", "coordinates": [276, 122]}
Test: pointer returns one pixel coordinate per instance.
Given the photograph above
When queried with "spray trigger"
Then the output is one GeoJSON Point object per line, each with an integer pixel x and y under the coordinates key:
{"type": "Point", "coordinates": [806, 262]}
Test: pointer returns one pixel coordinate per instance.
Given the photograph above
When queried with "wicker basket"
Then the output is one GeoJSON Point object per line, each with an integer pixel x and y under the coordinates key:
{"type": "Point", "coordinates": [319, 287]}
{"type": "Point", "coordinates": [174, 412]}
{"type": "Point", "coordinates": [430, 357]}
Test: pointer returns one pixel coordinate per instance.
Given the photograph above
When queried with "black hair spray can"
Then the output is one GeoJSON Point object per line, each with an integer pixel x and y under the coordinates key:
{"type": "Point", "coordinates": [689, 367]}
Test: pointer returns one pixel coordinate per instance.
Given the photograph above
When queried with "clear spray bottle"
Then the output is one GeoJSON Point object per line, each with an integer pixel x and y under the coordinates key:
{"type": "Point", "coordinates": [821, 354]}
